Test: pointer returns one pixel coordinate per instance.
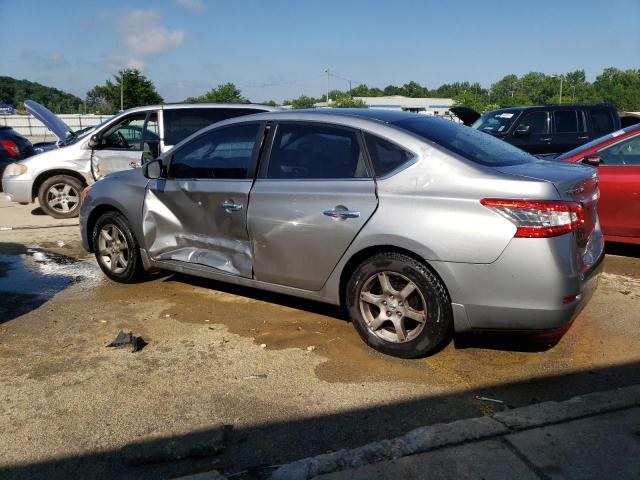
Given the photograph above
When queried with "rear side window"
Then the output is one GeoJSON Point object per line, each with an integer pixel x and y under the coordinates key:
{"type": "Point", "coordinates": [179, 123]}
{"type": "Point", "coordinates": [385, 156]}
{"type": "Point", "coordinates": [467, 142]}
{"type": "Point", "coordinates": [601, 121]}
{"type": "Point", "coordinates": [305, 151]}
{"type": "Point", "coordinates": [568, 121]}
{"type": "Point", "coordinates": [220, 154]}
{"type": "Point", "coordinates": [538, 122]}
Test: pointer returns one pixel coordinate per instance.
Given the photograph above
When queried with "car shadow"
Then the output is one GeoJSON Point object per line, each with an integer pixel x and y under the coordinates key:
{"type": "Point", "coordinates": [38, 211]}
{"type": "Point", "coordinates": [493, 340]}
{"type": "Point", "coordinates": [253, 451]}
{"type": "Point", "coordinates": [622, 249]}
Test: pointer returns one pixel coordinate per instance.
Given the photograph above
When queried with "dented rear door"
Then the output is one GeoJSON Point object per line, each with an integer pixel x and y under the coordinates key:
{"type": "Point", "coordinates": [198, 213]}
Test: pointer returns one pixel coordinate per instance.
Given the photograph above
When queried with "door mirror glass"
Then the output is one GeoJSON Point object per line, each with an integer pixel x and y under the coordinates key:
{"type": "Point", "coordinates": [592, 159]}
{"type": "Point", "coordinates": [94, 141]}
{"type": "Point", "coordinates": [153, 169]}
{"type": "Point", "coordinates": [522, 131]}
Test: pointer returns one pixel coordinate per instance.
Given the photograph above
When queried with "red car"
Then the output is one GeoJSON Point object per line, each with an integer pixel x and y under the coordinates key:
{"type": "Point", "coordinates": [617, 157]}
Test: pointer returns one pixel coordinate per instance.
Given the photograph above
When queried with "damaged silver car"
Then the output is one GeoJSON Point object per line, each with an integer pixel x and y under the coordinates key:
{"type": "Point", "coordinates": [417, 226]}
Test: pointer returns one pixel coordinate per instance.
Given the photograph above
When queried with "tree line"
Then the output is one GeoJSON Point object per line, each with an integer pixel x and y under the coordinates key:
{"type": "Point", "coordinates": [618, 87]}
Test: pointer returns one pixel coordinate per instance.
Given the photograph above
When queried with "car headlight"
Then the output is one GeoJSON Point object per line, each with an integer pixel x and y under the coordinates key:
{"type": "Point", "coordinates": [84, 194]}
{"type": "Point", "coordinates": [15, 169]}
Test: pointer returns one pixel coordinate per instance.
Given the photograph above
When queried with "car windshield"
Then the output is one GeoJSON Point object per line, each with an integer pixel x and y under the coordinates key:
{"type": "Point", "coordinates": [495, 122]}
{"type": "Point", "coordinates": [471, 144]}
{"type": "Point", "coordinates": [597, 141]}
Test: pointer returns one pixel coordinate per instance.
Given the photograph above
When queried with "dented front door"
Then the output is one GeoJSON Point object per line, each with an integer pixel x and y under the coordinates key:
{"type": "Point", "coordinates": [198, 214]}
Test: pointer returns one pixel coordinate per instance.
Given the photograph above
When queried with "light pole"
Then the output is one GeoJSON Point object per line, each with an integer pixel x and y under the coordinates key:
{"type": "Point", "coordinates": [328, 75]}
{"type": "Point", "coordinates": [561, 79]}
{"type": "Point", "coordinates": [122, 91]}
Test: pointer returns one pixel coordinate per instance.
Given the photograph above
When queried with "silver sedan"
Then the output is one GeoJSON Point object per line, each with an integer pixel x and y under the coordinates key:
{"type": "Point", "coordinates": [417, 226]}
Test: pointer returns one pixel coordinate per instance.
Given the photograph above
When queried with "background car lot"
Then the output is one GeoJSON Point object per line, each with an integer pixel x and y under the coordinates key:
{"type": "Point", "coordinates": [204, 366]}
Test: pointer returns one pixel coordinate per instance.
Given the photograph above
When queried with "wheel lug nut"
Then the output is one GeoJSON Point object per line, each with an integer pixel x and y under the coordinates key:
{"type": "Point", "coordinates": [384, 302]}
{"type": "Point", "coordinates": [388, 314]}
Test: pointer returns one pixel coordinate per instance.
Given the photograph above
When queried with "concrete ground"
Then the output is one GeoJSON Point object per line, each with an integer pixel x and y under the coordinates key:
{"type": "Point", "coordinates": [279, 378]}
{"type": "Point", "coordinates": [602, 446]}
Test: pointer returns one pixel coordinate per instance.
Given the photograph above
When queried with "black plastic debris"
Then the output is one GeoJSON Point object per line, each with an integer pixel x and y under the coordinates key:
{"type": "Point", "coordinates": [137, 343]}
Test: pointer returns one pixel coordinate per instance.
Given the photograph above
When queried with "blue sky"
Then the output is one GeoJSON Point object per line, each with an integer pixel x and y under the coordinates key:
{"type": "Point", "coordinates": [188, 46]}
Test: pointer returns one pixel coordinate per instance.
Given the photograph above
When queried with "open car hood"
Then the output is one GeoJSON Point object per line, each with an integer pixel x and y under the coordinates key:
{"type": "Point", "coordinates": [50, 120]}
{"type": "Point", "coordinates": [466, 114]}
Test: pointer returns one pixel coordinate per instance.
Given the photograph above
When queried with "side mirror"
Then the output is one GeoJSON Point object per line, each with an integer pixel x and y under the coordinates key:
{"type": "Point", "coordinates": [522, 131]}
{"type": "Point", "coordinates": [153, 169]}
{"type": "Point", "coordinates": [94, 141]}
{"type": "Point", "coordinates": [592, 159]}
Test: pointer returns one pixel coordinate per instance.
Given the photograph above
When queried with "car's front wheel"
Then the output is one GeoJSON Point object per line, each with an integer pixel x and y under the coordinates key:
{"type": "Point", "coordinates": [398, 306]}
{"type": "Point", "coordinates": [59, 196]}
{"type": "Point", "coordinates": [116, 248]}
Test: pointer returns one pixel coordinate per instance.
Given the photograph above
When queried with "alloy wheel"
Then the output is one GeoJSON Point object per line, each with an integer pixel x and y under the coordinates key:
{"type": "Point", "coordinates": [393, 307]}
{"type": "Point", "coordinates": [62, 198]}
{"type": "Point", "coordinates": [113, 248]}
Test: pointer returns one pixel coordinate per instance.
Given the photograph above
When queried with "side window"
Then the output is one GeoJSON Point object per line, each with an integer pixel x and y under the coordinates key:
{"type": "Point", "coordinates": [601, 121]}
{"type": "Point", "coordinates": [566, 121]}
{"type": "Point", "coordinates": [538, 122]}
{"type": "Point", "coordinates": [221, 154]}
{"type": "Point", "coordinates": [315, 152]}
{"type": "Point", "coordinates": [126, 134]}
{"type": "Point", "coordinates": [179, 123]}
{"type": "Point", "coordinates": [626, 152]}
{"type": "Point", "coordinates": [151, 138]}
{"type": "Point", "coordinates": [385, 156]}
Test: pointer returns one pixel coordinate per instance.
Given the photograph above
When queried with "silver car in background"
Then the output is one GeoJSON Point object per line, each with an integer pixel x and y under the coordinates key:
{"type": "Point", "coordinates": [57, 176]}
{"type": "Point", "coordinates": [415, 225]}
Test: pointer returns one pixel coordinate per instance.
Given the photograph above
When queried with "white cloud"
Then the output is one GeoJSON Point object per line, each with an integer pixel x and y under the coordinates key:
{"type": "Point", "coordinates": [144, 37]}
{"type": "Point", "coordinates": [47, 60]}
{"type": "Point", "coordinates": [195, 5]}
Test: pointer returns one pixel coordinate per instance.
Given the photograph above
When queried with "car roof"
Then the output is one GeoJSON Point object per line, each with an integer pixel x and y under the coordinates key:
{"type": "Point", "coordinates": [342, 114]}
{"type": "Point", "coordinates": [175, 106]}
{"type": "Point", "coordinates": [555, 106]}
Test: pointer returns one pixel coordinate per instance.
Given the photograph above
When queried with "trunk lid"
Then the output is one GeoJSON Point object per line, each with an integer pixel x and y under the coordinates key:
{"type": "Point", "coordinates": [577, 183]}
{"type": "Point", "coordinates": [50, 120]}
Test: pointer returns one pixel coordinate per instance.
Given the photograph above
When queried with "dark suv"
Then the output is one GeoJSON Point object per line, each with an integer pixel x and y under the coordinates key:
{"type": "Point", "coordinates": [549, 129]}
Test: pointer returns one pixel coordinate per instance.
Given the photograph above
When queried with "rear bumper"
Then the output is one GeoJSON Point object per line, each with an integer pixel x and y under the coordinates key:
{"type": "Point", "coordinates": [17, 190]}
{"type": "Point", "coordinates": [535, 285]}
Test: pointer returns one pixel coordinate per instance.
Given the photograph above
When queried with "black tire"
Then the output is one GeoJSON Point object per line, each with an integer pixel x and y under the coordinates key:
{"type": "Point", "coordinates": [59, 196]}
{"type": "Point", "coordinates": [118, 229]}
{"type": "Point", "coordinates": [428, 291]}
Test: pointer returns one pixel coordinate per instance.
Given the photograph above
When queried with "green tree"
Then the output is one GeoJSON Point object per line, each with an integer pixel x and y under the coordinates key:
{"type": "Point", "coordinates": [137, 90]}
{"type": "Point", "coordinates": [363, 90]}
{"type": "Point", "coordinates": [302, 102]}
{"type": "Point", "coordinates": [225, 93]}
{"type": "Point", "coordinates": [345, 101]}
{"type": "Point", "coordinates": [15, 92]}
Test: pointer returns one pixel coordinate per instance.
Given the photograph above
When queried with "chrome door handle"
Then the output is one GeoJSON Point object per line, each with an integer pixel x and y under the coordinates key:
{"type": "Point", "coordinates": [231, 205]}
{"type": "Point", "coordinates": [547, 139]}
{"type": "Point", "coordinates": [341, 214]}
{"type": "Point", "coordinates": [584, 137]}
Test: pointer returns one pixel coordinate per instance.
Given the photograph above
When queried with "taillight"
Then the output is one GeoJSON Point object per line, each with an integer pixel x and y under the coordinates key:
{"type": "Point", "coordinates": [10, 147]}
{"type": "Point", "coordinates": [538, 218]}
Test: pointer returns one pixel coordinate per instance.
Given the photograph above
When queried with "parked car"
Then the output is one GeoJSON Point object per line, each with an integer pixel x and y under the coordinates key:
{"type": "Point", "coordinates": [416, 225]}
{"type": "Point", "coordinates": [617, 157]}
{"type": "Point", "coordinates": [549, 129]}
{"type": "Point", "coordinates": [57, 176]}
{"type": "Point", "coordinates": [13, 146]}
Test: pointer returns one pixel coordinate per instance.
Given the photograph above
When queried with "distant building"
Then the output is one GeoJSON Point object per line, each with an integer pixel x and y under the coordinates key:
{"type": "Point", "coordinates": [429, 106]}
{"type": "Point", "coordinates": [426, 106]}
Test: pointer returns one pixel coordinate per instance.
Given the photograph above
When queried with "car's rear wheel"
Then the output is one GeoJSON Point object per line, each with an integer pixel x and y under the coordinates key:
{"type": "Point", "coordinates": [116, 248]}
{"type": "Point", "coordinates": [59, 196]}
{"type": "Point", "coordinates": [398, 306]}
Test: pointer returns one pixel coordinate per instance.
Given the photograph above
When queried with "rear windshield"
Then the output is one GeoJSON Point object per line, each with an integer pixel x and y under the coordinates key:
{"type": "Point", "coordinates": [495, 122]}
{"type": "Point", "coordinates": [179, 123]}
{"type": "Point", "coordinates": [471, 144]}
